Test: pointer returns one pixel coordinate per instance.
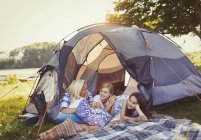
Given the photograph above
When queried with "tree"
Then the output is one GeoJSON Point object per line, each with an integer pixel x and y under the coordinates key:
{"type": "Point", "coordinates": [36, 54]}
{"type": "Point", "coordinates": [30, 56]}
{"type": "Point", "coordinates": [175, 17]}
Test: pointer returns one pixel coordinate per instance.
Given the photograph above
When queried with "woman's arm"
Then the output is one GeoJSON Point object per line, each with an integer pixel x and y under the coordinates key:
{"type": "Point", "coordinates": [65, 102]}
{"type": "Point", "coordinates": [96, 102]}
{"type": "Point", "coordinates": [66, 110]}
{"type": "Point", "coordinates": [89, 97]}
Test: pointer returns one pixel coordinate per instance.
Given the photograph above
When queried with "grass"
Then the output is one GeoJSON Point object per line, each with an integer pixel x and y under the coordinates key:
{"type": "Point", "coordinates": [11, 127]}
{"type": "Point", "coordinates": [11, 106]}
{"type": "Point", "coordinates": [199, 68]}
{"type": "Point", "coordinates": [188, 109]}
{"type": "Point", "coordinates": [20, 89]}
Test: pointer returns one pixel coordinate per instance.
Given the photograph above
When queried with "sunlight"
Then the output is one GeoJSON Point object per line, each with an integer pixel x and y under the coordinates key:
{"type": "Point", "coordinates": [188, 43]}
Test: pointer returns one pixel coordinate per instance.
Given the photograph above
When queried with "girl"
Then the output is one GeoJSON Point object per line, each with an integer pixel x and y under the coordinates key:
{"type": "Point", "coordinates": [130, 108]}
{"type": "Point", "coordinates": [74, 94]}
{"type": "Point", "coordinates": [105, 99]}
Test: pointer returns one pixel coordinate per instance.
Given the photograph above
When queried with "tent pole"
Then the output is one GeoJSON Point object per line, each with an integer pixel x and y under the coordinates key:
{"type": "Point", "coordinates": [41, 123]}
{"type": "Point", "coordinates": [30, 92]}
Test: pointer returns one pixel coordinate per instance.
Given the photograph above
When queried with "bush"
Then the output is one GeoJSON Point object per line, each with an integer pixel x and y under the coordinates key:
{"type": "Point", "coordinates": [12, 79]}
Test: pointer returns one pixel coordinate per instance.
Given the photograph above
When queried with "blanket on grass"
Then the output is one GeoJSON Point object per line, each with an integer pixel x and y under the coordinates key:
{"type": "Point", "coordinates": [64, 130]}
{"type": "Point", "coordinates": [154, 129]}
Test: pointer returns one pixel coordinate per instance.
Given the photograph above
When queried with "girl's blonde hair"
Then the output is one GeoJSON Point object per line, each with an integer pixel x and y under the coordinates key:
{"type": "Point", "coordinates": [109, 86]}
{"type": "Point", "coordinates": [75, 88]}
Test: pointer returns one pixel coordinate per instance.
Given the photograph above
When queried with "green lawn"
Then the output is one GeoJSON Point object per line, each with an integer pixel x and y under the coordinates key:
{"type": "Point", "coordinates": [11, 106]}
{"type": "Point", "coordinates": [189, 109]}
{"type": "Point", "coordinates": [13, 99]}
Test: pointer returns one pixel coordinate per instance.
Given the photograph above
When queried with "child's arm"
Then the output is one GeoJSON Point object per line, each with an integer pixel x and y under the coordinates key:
{"type": "Point", "coordinates": [142, 116]}
{"type": "Point", "coordinates": [111, 103]}
{"type": "Point", "coordinates": [123, 111]}
{"type": "Point", "coordinates": [137, 107]}
{"type": "Point", "coordinates": [112, 110]}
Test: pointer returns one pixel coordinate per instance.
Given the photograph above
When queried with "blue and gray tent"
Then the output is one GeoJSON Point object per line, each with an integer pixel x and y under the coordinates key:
{"type": "Point", "coordinates": [131, 58]}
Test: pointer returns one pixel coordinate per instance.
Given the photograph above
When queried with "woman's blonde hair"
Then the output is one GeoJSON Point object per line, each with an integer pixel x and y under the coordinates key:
{"type": "Point", "coordinates": [75, 88]}
{"type": "Point", "coordinates": [109, 86]}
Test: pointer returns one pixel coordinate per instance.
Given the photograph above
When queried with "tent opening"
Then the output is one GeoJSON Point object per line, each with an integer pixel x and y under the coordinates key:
{"type": "Point", "coordinates": [97, 63]}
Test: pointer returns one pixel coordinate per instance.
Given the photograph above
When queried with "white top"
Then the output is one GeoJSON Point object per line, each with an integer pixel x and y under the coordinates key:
{"type": "Point", "coordinates": [98, 99]}
{"type": "Point", "coordinates": [75, 103]}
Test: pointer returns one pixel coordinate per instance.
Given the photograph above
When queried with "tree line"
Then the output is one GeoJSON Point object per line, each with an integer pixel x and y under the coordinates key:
{"type": "Point", "coordinates": [36, 54]}
{"type": "Point", "coordinates": [30, 56]}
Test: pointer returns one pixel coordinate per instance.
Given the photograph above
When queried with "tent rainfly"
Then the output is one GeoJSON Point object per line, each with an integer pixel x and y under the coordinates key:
{"type": "Point", "coordinates": [131, 58]}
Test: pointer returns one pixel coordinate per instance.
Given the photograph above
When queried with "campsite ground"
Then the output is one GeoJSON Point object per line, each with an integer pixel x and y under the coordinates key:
{"type": "Point", "coordinates": [12, 104]}
{"type": "Point", "coordinates": [13, 98]}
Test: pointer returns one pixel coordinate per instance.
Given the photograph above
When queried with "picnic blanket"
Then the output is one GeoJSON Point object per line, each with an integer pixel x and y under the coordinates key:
{"type": "Point", "coordinates": [154, 129]}
{"type": "Point", "coordinates": [64, 130]}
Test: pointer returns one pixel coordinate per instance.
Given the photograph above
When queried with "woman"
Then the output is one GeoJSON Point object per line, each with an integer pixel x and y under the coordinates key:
{"type": "Point", "coordinates": [77, 91]}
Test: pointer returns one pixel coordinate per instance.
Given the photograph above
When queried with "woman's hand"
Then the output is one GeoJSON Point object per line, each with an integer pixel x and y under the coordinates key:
{"type": "Point", "coordinates": [95, 105]}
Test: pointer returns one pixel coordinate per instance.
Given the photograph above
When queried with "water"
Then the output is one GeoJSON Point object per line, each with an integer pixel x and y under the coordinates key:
{"type": "Point", "coordinates": [20, 73]}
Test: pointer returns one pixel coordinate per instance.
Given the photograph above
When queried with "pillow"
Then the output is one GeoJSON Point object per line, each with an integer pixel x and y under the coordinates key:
{"type": "Point", "coordinates": [92, 116]}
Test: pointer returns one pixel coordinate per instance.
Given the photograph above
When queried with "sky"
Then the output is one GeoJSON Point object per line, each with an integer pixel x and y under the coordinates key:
{"type": "Point", "coordinates": [23, 22]}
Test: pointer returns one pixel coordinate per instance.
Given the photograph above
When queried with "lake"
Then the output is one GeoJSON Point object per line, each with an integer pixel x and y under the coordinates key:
{"type": "Point", "coordinates": [20, 73]}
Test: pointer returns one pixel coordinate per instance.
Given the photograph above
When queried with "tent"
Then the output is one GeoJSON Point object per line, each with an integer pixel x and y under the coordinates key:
{"type": "Point", "coordinates": [131, 58]}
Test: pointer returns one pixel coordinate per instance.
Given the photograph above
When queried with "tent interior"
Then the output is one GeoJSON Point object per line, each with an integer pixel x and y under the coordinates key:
{"type": "Point", "coordinates": [95, 61]}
